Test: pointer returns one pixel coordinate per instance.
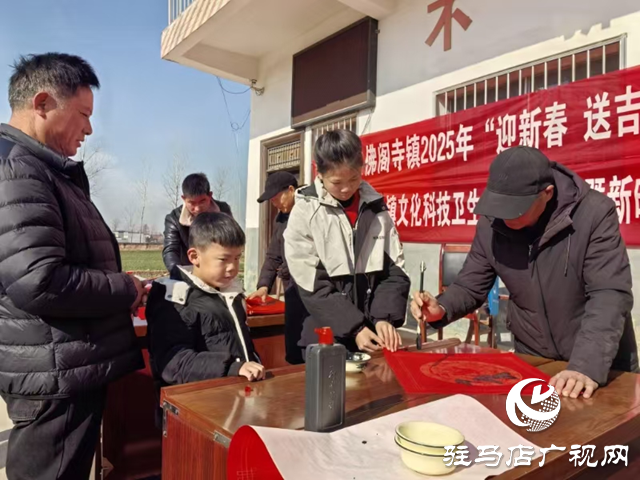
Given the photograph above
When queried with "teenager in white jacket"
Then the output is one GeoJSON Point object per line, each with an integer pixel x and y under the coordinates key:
{"type": "Point", "coordinates": [344, 253]}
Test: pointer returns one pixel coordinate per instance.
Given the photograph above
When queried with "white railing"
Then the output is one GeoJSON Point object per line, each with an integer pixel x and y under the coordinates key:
{"type": "Point", "coordinates": [176, 7]}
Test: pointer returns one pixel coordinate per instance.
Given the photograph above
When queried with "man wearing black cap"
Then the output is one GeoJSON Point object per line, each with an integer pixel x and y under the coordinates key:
{"type": "Point", "coordinates": [280, 191]}
{"type": "Point", "coordinates": [556, 245]}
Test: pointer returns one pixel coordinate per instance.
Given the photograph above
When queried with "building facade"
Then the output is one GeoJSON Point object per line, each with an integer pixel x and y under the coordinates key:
{"type": "Point", "coordinates": [413, 60]}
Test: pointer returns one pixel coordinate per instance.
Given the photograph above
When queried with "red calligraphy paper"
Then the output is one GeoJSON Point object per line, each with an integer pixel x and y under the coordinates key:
{"type": "Point", "coordinates": [255, 306]}
{"type": "Point", "coordinates": [249, 457]}
{"type": "Point", "coordinates": [492, 373]}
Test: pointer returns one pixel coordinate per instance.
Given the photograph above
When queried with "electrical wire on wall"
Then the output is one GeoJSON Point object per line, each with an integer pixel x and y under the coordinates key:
{"type": "Point", "coordinates": [235, 129]}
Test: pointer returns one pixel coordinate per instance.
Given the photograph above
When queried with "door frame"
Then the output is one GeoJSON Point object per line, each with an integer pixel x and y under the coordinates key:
{"type": "Point", "coordinates": [265, 223]}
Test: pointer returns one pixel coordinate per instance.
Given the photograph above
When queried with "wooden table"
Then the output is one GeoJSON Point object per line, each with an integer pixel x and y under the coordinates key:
{"type": "Point", "coordinates": [200, 418]}
{"type": "Point", "coordinates": [131, 443]}
{"type": "Point", "coordinates": [267, 332]}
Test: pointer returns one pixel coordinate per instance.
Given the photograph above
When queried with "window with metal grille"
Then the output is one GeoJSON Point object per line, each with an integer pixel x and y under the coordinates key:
{"type": "Point", "coordinates": [587, 62]}
{"type": "Point", "coordinates": [345, 123]}
{"type": "Point", "coordinates": [284, 157]}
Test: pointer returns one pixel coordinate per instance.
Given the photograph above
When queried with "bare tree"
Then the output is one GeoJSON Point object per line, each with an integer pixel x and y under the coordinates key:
{"type": "Point", "coordinates": [115, 223]}
{"type": "Point", "coordinates": [95, 163]}
{"type": "Point", "coordinates": [142, 187]}
{"type": "Point", "coordinates": [130, 217]}
{"type": "Point", "coordinates": [172, 179]}
{"type": "Point", "coordinates": [220, 184]}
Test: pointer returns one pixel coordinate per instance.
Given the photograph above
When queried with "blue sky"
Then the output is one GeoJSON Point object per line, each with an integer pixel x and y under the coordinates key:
{"type": "Point", "coordinates": [147, 109]}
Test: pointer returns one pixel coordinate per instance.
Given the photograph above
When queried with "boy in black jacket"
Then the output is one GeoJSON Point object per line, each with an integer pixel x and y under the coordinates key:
{"type": "Point", "coordinates": [197, 326]}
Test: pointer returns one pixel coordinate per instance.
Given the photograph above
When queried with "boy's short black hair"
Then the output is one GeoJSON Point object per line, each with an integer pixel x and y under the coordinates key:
{"type": "Point", "coordinates": [196, 184]}
{"type": "Point", "coordinates": [59, 72]}
{"type": "Point", "coordinates": [338, 147]}
{"type": "Point", "coordinates": [214, 227]}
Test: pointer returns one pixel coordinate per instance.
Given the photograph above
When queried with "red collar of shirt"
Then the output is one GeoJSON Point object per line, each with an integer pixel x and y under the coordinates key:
{"type": "Point", "coordinates": [353, 208]}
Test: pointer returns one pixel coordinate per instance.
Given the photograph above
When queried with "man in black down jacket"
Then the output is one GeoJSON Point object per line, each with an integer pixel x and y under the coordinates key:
{"type": "Point", "coordinates": [65, 305]}
{"type": "Point", "coordinates": [556, 245]}
{"type": "Point", "coordinates": [198, 198]}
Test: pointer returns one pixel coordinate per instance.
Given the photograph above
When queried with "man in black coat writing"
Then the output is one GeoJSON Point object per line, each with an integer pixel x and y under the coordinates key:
{"type": "Point", "coordinates": [65, 305]}
{"type": "Point", "coordinates": [556, 245]}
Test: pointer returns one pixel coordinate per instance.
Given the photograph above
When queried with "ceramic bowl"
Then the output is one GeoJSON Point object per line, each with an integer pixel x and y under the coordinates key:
{"type": "Point", "coordinates": [420, 448]}
{"type": "Point", "coordinates": [424, 463]}
{"type": "Point", "coordinates": [427, 437]}
{"type": "Point", "coordinates": [357, 361]}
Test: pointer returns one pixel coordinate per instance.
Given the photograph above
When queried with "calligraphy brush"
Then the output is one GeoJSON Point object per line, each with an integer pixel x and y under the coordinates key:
{"type": "Point", "coordinates": [421, 325]}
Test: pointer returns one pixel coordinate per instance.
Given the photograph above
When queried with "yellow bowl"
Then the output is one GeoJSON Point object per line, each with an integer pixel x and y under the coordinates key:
{"type": "Point", "coordinates": [419, 448]}
{"type": "Point", "coordinates": [428, 435]}
{"type": "Point", "coordinates": [424, 463]}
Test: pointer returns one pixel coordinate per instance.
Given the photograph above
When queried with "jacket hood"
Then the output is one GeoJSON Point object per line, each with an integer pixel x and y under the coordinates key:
{"type": "Point", "coordinates": [187, 273]}
{"type": "Point", "coordinates": [186, 218]}
{"type": "Point", "coordinates": [570, 186]}
{"type": "Point", "coordinates": [367, 193]}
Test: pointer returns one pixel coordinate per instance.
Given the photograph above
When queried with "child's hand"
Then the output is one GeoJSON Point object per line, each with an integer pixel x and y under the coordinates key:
{"type": "Point", "coordinates": [389, 335]}
{"type": "Point", "coordinates": [252, 370]}
{"type": "Point", "coordinates": [365, 339]}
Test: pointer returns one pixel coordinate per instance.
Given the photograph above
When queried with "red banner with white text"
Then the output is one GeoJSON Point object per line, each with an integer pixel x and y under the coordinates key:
{"type": "Point", "coordinates": [433, 172]}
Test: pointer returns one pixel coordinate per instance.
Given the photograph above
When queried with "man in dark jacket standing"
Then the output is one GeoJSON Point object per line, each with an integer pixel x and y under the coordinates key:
{"type": "Point", "coordinates": [197, 198]}
{"type": "Point", "coordinates": [280, 190]}
{"type": "Point", "coordinates": [65, 306]}
{"type": "Point", "coordinates": [556, 245]}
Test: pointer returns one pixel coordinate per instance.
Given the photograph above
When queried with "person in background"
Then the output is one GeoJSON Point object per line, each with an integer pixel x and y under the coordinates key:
{"type": "Point", "coordinates": [280, 190]}
{"type": "Point", "coordinates": [197, 324]}
{"type": "Point", "coordinates": [197, 198]}
{"type": "Point", "coordinates": [344, 254]}
{"type": "Point", "coordinates": [556, 245]}
{"type": "Point", "coordinates": [65, 305]}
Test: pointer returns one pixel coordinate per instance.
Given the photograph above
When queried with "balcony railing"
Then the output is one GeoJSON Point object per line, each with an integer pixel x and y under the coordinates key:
{"type": "Point", "coordinates": [176, 7]}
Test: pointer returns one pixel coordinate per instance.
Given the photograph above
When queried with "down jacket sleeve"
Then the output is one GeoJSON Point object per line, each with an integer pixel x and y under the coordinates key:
{"type": "Point", "coordinates": [607, 277]}
{"type": "Point", "coordinates": [171, 251]}
{"type": "Point", "coordinates": [323, 301]}
{"type": "Point", "coordinates": [33, 269]}
{"type": "Point", "coordinates": [392, 291]}
{"type": "Point", "coordinates": [173, 338]}
{"type": "Point", "coordinates": [274, 260]}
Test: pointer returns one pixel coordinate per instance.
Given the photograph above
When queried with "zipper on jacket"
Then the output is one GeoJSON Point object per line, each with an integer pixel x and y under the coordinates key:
{"type": "Point", "coordinates": [546, 315]}
{"type": "Point", "coordinates": [354, 234]}
{"type": "Point", "coordinates": [353, 250]}
{"type": "Point", "coordinates": [228, 300]}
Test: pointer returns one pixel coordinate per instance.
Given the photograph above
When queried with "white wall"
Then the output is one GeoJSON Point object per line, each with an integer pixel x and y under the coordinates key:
{"type": "Point", "coordinates": [504, 34]}
{"type": "Point", "coordinates": [271, 116]}
{"type": "Point", "coordinates": [271, 112]}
